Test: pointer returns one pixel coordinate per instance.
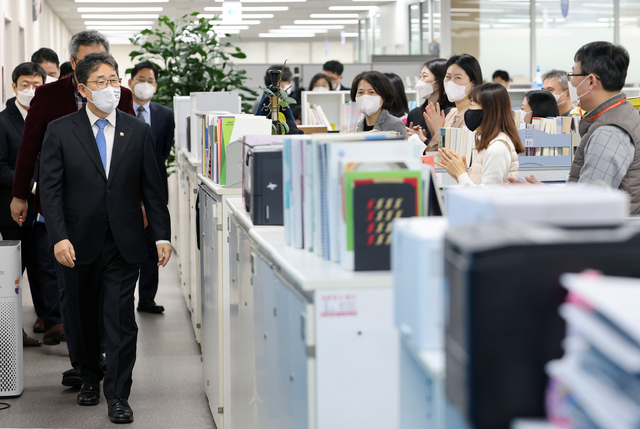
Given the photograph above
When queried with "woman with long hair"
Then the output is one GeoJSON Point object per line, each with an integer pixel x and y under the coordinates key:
{"type": "Point", "coordinates": [495, 156]}
{"type": "Point", "coordinates": [430, 89]}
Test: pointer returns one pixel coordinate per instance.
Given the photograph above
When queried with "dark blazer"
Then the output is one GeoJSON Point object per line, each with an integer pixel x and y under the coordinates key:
{"type": "Point", "coordinates": [52, 101]}
{"type": "Point", "coordinates": [163, 130]}
{"type": "Point", "coordinates": [78, 201]}
{"type": "Point", "coordinates": [11, 125]}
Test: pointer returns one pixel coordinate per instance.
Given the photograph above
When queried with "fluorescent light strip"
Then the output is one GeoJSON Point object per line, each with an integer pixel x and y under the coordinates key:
{"type": "Point", "coordinates": [296, 31]}
{"type": "Point", "coordinates": [119, 41]}
{"type": "Point", "coordinates": [119, 22]}
{"type": "Point", "coordinates": [118, 9]}
{"type": "Point", "coordinates": [333, 15]}
{"type": "Point", "coordinates": [244, 15]}
{"type": "Point", "coordinates": [268, 1]}
{"type": "Point", "coordinates": [304, 28]}
{"type": "Point", "coordinates": [235, 23]}
{"type": "Point", "coordinates": [231, 27]}
{"type": "Point", "coordinates": [363, 8]}
{"type": "Point", "coordinates": [251, 9]}
{"type": "Point", "coordinates": [120, 33]}
{"type": "Point", "coordinates": [349, 34]}
{"type": "Point", "coordinates": [106, 16]}
{"type": "Point", "coordinates": [121, 1]}
{"type": "Point", "coordinates": [291, 35]}
{"type": "Point", "coordinates": [325, 21]}
{"type": "Point", "coordinates": [227, 31]}
{"type": "Point", "coordinates": [113, 27]}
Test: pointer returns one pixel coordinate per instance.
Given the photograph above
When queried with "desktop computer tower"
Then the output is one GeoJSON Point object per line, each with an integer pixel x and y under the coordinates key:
{"type": "Point", "coordinates": [11, 369]}
{"type": "Point", "coordinates": [503, 324]}
{"type": "Point", "coordinates": [263, 193]}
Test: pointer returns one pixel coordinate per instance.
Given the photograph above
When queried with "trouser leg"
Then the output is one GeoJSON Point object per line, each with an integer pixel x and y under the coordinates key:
{"type": "Point", "coordinates": [71, 331]}
{"type": "Point", "coordinates": [47, 278]}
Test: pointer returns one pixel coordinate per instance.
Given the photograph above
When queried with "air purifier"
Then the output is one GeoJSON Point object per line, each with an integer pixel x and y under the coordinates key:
{"type": "Point", "coordinates": [11, 366]}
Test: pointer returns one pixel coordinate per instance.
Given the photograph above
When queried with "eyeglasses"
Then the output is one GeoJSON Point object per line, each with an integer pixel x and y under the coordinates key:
{"type": "Point", "coordinates": [102, 83]}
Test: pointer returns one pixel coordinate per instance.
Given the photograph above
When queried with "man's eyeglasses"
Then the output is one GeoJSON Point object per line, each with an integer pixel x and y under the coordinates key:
{"type": "Point", "coordinates": [102, 83]}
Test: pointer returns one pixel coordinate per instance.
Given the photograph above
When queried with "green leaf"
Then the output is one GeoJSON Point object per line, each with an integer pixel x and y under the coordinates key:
{"type": "Point", "coordinates": [290, 100]}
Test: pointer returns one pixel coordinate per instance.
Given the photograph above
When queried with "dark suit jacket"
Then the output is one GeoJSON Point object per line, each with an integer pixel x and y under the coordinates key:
{"type": "Point", "coordinates": [79, 202]}
{"type": "Point", "coordinates": [52, 101]}
{"type": "Point", "coordinates": [163, 130]}
{"type": "Point", "coordinates": [11, 125]}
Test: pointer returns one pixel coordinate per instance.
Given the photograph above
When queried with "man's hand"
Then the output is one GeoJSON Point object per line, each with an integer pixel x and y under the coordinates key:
{"type": "Point", "coordinates": [144, 215]}
{"type": "Point", "coordinates": [164, 253]}
{"type": "Point", "coordinates": [19, 210]}
{"type": "Point", "coordinates": [64, 253]}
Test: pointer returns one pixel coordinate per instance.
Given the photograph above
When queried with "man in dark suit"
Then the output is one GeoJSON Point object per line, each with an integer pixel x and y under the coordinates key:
{"type": "Point", "coordinates": [143, 84]}
{"type": "Point", "coordinates": [26, 78]}
{"type": "Point", "coordinates": [53, 101]}
{"type": "Point", "coordinates": [98, 165]}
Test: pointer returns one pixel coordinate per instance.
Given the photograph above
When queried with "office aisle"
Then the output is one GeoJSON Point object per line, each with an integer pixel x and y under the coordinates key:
{"type": "Point", "coordinates": [167, 387]}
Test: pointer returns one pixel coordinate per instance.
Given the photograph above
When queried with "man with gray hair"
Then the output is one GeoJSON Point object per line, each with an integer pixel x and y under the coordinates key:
{"type": "Point", "coordinates": [555, 82]}
{"type": "Point", "coordinates": [52, 102]}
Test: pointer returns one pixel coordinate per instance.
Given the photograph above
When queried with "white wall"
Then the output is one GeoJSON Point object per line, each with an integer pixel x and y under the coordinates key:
{"type": "Point", "coordinates": [21, 36]}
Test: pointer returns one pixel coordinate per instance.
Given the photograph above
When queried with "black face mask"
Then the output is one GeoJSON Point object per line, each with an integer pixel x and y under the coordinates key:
{"type": "Point", "coordinates": [473, 119]}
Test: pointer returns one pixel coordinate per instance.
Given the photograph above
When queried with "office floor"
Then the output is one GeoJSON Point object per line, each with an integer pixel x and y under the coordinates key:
{"type": "Point", "coordinates": [167, 387]}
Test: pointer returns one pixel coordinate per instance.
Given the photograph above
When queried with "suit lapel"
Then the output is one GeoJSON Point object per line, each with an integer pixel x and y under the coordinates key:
{"type": "Point", "coordinates": [120, 141]}
{"type": "Point", "coordinates": [84, 133]}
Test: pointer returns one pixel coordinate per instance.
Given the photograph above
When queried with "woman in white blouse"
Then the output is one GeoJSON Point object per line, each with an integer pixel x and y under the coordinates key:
{"type": "Point", "coordinates": [495, 157]}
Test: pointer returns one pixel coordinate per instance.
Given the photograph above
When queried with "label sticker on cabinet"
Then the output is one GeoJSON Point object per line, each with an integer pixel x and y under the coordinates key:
{"type": "Point", "coordinates": [338, 304]}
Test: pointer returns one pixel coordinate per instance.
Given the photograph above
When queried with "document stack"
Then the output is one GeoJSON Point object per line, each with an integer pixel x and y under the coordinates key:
{"type": "Point", "coordinates": [459, 140]}
{"type": "Point", "coordinates": [324, 179]}
{"type": "Point", "coordinates": [596, 384]}
{"type": "Point", "coordinates": [316, 116]}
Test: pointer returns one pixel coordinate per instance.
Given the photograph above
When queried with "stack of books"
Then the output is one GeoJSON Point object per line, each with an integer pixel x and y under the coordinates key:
{"type": "Point", "coordinates": [341, 191]}
{"type": "Point", "coordinates": [596, 384]}
{"type": "Point", "coordinates": [317, 116]}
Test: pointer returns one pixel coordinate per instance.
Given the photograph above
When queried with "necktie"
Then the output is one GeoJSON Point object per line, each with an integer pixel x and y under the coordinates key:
{"type": "Point", "coordinates": [140, 115]}
{"type": "Point", "coordinates": [102, 142]}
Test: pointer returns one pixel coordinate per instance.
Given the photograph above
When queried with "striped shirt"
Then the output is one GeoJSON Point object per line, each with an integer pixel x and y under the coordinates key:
{"type": "Point", "coordinates": [607, 156]}
{"type": "Point", "coordinates": [80, 100]}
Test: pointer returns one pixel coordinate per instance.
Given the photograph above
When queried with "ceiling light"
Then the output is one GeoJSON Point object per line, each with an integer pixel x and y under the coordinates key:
{"type": "Point", "coordinates": [288, 35]}
{"type": "Point", "coordinates": [227, 31]}
{"type": "Point", "coordinates": [215, 23]}
{"type": "Point", "coordinates": [252, 9]}
{"type": "Point", "coordinates": [385, 1]}
{"type": "Point", "coordinates": [119, 22]}
{"type": "Point", "coordinates": [121, 1]}
{"type": "Point", "coordinates": [119, 41]}
{"type": "Point", "coordinates": [312, 27]}
{"type": "Point", "coordinates": [366, 8]}
{"type": "Point", "coordinates": [119, 33]}
{"type": "Point", "coordinates": [325, 21]}
{"type": "Point", "coordinates": [119, 9]}
{"type": "Point", "coordinates": [267, 1]}
{"type": "Point", "coordinates": [244, 15]}
{"type": "Point", "coordinates": [114, 27]}
{"type": "Point", "coordinates": [296, 30]}
{"type": "Point", "coordinates": [343, 34]}
{"type": "Point", "coordinates": [231, 27]}
{"type": "Point", "coordinates": [333, 15]}
{"type": "Point", "coordinates": [128, 16]}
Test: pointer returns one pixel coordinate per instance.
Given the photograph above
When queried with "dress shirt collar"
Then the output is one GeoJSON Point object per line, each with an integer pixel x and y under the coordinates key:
{"type": "Point", "coordinates": [93, 118]}
{"type": "Point", "coordinates": [22, 110]}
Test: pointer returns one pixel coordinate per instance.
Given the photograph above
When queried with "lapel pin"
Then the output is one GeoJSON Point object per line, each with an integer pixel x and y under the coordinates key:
{"type": "Point", "coordinates": [121, 134]}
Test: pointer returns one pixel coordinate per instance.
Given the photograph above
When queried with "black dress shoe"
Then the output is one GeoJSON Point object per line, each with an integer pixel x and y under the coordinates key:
{"type": "Point", "coordinates": [120, 411]}
{"type": "Point", "coordinates": [150, 306]}
{"type": "Point", "coordinates": [89, 394]}
{"type": "Point", "coordinates": [72, 378]}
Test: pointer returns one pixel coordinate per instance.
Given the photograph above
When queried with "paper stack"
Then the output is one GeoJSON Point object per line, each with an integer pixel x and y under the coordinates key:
{"type": "Point", "coordinates": [316, 116]}
{"type": "Point", "coordinates": [596, 384]}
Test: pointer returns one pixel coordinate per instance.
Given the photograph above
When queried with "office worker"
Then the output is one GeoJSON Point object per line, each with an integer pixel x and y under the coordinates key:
{"type": "Point", "coordinates": [320, 82]}
{"type": "Point", "coordinates": [65, 69]}
{"type": "Point", "coordinates": [495, 156]}
{"type": "Point", "coordinates": [98, 165]}
{"type": "Point", "coordinates": [334, 70]}
{"type": "Point", "coordinates": [555, 82]}
{"type": "Point", "coordinates": [144, 84]}
{"type": "Point", "coordinates": [538, 104]}
{"type": "Point", "coordinates": [463, 74]}
{"type": "Point", "coordinates": [53, 101]}
{"type": "Point", "coordinates": [430, 89]}
{"type": "Point", "coordinates": [48, 60]}
{"type": "Point", "coordinates": [374, 94]}
{"type": "Point", "coordinates": [502, 77]}
{"type": "Point", "coordinates": [609, 150]}
{"type": "Point", "coordinates": [26, 78]}
{"type": "Point", "coordinates": [400, 108]}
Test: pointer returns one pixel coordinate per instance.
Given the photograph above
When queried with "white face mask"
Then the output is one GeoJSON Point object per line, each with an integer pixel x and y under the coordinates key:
{"type": "Point", "coordinates": [424, 89]}
{"type": "Point", "coordinates": [320, 89]}
{"type": "Point", "coordinates": [369, 104]}
{"type": "Point", "coordinates": [523, 115]}
{"type": "Point", "coordinates": [50, 79]}
{"type": "Point", "coordinates": [107, 99]}
{"type": "Point", "coordinates": [25, 96]}
{"type": "Point", "coordinates": [573, 91]}
{"type": "Point", "coordinates": [335, 85]}
{"type": "Point", "coordinates": [144, 90]}
{"type": "Point", "coordinates": [454, 91]}
{"type": "Point", "coordinates": [557, 97]}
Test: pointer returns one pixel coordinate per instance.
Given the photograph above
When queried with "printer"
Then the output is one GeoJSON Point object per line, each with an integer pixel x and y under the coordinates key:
{"type": "Point", "coordinates": [503, 323]}
{"type": "Point", "coordinates": [262, 180]}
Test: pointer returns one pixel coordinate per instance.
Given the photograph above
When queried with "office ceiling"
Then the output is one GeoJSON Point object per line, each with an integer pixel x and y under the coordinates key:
{"type": "Point", "coordinates": [108, 20]}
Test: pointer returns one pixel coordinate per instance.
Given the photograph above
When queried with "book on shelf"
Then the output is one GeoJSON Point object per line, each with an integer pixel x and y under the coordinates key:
{"type": "Point", "coordinates": [459, 140]}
